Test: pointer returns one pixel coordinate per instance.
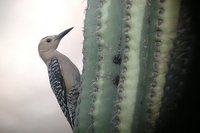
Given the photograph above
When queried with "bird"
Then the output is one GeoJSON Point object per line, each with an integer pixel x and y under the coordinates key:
{"type": "Point", "coordinates": [64, 76]}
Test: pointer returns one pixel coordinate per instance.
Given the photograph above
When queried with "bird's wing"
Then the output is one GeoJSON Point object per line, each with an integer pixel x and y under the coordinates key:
{"type": "Point", "coordinates": [58, 86]}
{"type": "Point", "coordinates": [73, 98]}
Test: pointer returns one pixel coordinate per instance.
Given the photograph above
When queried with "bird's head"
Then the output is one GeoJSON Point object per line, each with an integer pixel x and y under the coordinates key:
{"type": "Point", "coordinates": [51, 42]}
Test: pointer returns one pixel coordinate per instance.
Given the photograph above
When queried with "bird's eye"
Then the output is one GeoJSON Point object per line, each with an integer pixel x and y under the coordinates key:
{"type": "Point", "coordinates": [48, 40]}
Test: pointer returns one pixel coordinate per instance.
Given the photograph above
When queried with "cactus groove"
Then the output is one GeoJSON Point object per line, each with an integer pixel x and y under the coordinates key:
{"type": "Point", "coordinates": [83, 120]}
{"type": "Point", "coordinates": [127, 58]}
{"type": "Point", "coordinates": [108, 35]}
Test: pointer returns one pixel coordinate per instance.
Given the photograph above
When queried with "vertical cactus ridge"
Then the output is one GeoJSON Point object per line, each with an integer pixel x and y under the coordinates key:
{"type": "Point", "coordinates": [148, 67]}
{"type": "Point", "coordinates": [165, 34]}
{"type": "Point", "coordinates": [178, 67]}
{"type": "Point", "coordinates": [83, 118]}
{"type": "Point", "coordinates": [130, 68]}
{"type": "Point", "coordinates": [108, 38]}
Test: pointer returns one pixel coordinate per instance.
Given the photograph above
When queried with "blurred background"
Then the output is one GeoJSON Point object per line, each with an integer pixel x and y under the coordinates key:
{"type": "Point", "coordinates": [27, 103]}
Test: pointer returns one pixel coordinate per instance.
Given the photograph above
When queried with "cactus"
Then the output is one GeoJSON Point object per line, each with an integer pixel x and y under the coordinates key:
{"type": "Point", "coordinates": [129, 68]}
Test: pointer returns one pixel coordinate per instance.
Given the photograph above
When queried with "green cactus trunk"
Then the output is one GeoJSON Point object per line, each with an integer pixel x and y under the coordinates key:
{"type": "Point", "coordinates": [129, 70]}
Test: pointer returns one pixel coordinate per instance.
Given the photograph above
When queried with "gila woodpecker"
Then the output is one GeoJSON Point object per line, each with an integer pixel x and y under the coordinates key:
{"type": "Point", "coordinates": [63, 74]}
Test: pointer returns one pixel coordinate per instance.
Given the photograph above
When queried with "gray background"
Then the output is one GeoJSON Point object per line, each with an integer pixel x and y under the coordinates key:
{"type": "Point", "coordinates": [27, 103]}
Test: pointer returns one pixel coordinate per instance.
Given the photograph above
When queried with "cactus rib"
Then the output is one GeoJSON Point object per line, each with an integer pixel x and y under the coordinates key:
{"type": "Point", "coordinates": [83, 118]}
{"type": "Point", "coordinates": [108, 35]}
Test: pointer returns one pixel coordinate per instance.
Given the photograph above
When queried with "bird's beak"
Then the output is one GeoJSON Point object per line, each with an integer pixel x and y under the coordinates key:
{"type": "Point", "coordinates": [62, 34]}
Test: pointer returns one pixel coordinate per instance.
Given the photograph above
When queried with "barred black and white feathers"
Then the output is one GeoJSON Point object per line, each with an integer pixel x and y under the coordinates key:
{"type": "Point", "coordinates": [59, 89]}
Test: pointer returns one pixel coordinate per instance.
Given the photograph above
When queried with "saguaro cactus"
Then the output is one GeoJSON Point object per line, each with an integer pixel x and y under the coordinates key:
{"type": "Point", "coordinates": [131, 78]}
